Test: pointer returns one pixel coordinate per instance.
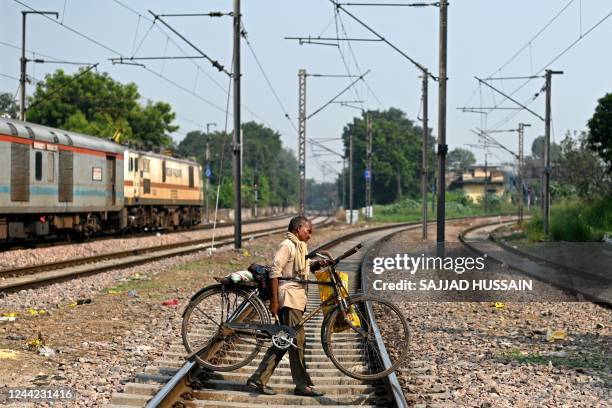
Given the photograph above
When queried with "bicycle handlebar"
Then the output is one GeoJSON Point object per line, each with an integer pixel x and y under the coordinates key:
{"type": "Point", "coordinates": [338, 259]}
{"type": "Point", "coordinates": [348, 253]}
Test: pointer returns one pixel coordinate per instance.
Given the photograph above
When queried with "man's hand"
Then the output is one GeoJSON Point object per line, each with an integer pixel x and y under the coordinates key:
{"type": "Point", "coordinates": [274, 307]}
{"type": "Point", "coordinates": [322, 263]}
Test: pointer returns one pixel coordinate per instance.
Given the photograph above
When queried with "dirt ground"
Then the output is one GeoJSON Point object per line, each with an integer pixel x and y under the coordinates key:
{"type": "Point", "coordinates": [100, 344]}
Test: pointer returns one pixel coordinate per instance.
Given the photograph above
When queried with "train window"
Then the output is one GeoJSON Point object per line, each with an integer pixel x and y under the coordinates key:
{"type": "Point", "coordinates": [191, 178]}
{"type": "Point", "coordinates": [163, 171]}
{"type": "Point", "coordinates": [131, 165]}
{"type": "Point", "coordinates": [50, 166]}
{"type": "Point", "coordinates": [30, 132]}
{"type": "Point", "coordinates": [135, 164]}
{"type": "Point", "coordinates": [13, 129]}
{"type": "Point", "coordinates": [38, 166]}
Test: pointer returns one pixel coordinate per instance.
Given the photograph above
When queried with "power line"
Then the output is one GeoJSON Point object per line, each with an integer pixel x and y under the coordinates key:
{"type": "Point", "coordinates": [263, 72]}
{"type": "Point", "coordinates": [528, 44]}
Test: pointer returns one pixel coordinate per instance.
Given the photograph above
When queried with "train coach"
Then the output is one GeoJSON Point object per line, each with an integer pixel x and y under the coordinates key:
{"type": "Point", "coordinates": [54, 182]}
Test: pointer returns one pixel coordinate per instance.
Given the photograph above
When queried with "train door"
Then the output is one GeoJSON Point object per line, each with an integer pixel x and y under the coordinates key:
{"type": "Point", "coordinates": [136, 178]}
{"type": "Point", "coordinates": [111, 171]}
{"type": "Point", "coordinates": [20, 172]}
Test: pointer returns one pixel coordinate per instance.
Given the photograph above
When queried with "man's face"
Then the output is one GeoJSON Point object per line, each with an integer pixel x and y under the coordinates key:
{"type": "Point", "coordinates": [304, 232]}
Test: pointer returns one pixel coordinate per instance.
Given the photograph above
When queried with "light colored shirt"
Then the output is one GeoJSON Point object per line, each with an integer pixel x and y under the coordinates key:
{"type": "Point", "coordinates": [290, 294]}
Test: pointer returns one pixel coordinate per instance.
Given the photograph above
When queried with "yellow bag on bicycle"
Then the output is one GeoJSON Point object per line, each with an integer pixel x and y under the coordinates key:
{"type": "Point", "coordinates": [326, 292]}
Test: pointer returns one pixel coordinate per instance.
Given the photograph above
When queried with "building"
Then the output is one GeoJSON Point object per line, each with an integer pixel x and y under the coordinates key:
{"type": "Point", "coordinates": [473, 180]}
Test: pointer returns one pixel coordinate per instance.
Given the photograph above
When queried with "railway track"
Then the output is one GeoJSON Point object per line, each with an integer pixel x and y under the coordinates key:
{"type": "Point", "coordinates": [587, 285]}
{"type": "Point", "coordinates": [186, 386]}
{"type": "Point", "coordinates": [18, 278]}
{"type": "Point", "coordinates": [4, 247]}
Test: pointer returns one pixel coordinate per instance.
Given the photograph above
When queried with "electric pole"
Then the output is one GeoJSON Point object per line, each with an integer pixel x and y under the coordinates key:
{"type": "Point", "coordinates": [351, 177]}
{"type": "Point", "coordinates": [23, 61]}
{"type": "Point", "coordinates": [237, 138]}
{"type": "Point", "coordinates": [302, 138]}
{"type": "Point", "coordinates": [344, 182]}
{"type": "Point", "coordinates": [424, 179]}
{"type": "Point", "coordinates": [368, 175]}
{"type": "Point", "coordinates": [442, 146]}
{"type": "Point", "coordinates": [207, 171]}
{"type": "Point", "coordinates": [546, 196]}
{"type": "Point", "coordinates": [521, 158]}
{"type": "Point", "coordinates": [486, 187]}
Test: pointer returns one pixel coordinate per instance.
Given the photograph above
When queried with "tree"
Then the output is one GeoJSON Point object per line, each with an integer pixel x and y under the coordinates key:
{"type": "Point", "coordinates": [580, 170]}
{"type": "Point", "coordinates": [396, 156]}
{"type": "Point", "coordinates": [8, 106]}
{"type": "Point", "coordinates": [264, 159]}
{"type": "Point", "coordinates": [94, 103]}
{"type": "Point", "coordinates": [460, 158]}
{"type": "Point", "coordinates": [537, 150]}
{"type": "Point", "coordinates": [599, 138]}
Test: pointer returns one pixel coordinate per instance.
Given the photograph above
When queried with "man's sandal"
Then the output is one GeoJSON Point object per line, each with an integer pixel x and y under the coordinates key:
{"type": "Point", "coordinates": [260, 388]}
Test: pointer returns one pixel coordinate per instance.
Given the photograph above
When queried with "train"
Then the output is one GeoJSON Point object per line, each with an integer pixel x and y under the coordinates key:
{"type": "Point", "coordinates": [59, 183]}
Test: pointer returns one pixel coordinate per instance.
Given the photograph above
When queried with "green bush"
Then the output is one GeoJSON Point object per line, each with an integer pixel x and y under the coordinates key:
{"type": "Point", "coordinates": [574, 220]}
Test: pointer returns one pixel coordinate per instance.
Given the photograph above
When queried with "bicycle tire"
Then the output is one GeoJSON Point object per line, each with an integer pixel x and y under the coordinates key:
{"type": "Point", "coordinates": [203, 318]}
{"type": "Point", "coordinates": [367, 364]}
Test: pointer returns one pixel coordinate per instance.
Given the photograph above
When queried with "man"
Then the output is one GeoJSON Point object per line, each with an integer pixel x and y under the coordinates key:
{"type": "Point", "coordinates": [288, 302]}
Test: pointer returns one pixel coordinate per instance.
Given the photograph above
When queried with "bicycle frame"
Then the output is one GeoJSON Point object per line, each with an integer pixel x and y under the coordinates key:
{"type": "Point", "coordinates": [336, 283]}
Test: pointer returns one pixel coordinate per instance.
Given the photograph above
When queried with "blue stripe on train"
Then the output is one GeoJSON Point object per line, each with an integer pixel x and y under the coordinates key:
{"type": "Point", "coordinates": [52, 190]}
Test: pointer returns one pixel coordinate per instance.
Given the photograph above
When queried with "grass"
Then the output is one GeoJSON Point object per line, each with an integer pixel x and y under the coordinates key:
{"type": "Point", "coordinates": [574, 220]}
{"type": "Point", "coordinates": [597, 361]}
{"type": "Point", "coordinates": [457, 205]}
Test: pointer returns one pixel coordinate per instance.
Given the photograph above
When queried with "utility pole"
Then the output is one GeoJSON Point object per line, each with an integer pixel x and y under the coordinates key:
{"type": "Point", "coordinates": [442, 146]}
{"type": "Point", "coordinates": [351, 177]}
{"type": "Point", "coordinates": [302, 138]}
{"type": "Point", "coordinates": [237, 138]}
{"type": "Point", "coordinates": [344, 182]}
{"type": "Point", "coordinates": [486, 186]}
{"type": "Point", "coordinates": [424, 179]}
{"type": "Point", "coordinates": [368, 175]}
{"type": "Point", "coordinates": [521, 158]}
{"type": "Point", "coordinates": [23, 61]}
{"type": "Point", "coordinates": [207, 170]}
{"type": "Point", "coordinates": [546, 196]}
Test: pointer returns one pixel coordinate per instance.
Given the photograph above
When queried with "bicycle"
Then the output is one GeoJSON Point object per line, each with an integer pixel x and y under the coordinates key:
{"type": "Point", "coordinates": [226, 325]}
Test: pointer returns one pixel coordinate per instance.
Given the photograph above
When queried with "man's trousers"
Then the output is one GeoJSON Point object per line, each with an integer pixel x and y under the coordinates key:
{"type": "Point", "coordinates": [273, 356]}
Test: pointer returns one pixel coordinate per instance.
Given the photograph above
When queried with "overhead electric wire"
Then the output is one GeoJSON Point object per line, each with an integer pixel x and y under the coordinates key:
{"type": "Point", "coordinates": [370, 90]}
{"type": "Point", "coordinates": [528, 44]}
{"type": "Point", "coordinates": [263, 72]}
{"type": "Point", "coordinates": [198, 67]}
{"type": "Point", "coordinates": [570, 46]}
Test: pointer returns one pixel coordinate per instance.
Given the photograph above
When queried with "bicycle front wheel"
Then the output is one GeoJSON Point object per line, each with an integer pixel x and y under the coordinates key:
{"type": "Point", "coordinates": [204, 327]}
{"type": "Point", "coordinates": [372, 343]}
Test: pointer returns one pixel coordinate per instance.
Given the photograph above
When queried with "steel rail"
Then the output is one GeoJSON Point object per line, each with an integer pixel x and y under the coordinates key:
{"type": "Point", "coordinates": [134, 257]}
{"type": "Point", "coordinates": [48, 242]}
{"type": "Point", "coordinates": [391, 382]}
{"type": "Point", "coordinates": [163, 397]}
{"type": "Point", "coordinates": [563, 272]}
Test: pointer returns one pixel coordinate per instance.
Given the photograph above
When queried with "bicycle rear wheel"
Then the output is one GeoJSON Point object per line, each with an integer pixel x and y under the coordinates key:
{"type": "Point", "coordinates": [204, 329]}
{"type": "Point", "coordinates": [355, 350]}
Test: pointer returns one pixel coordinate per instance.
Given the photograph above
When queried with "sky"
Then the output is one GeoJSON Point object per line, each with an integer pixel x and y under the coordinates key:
{"type": "Point", "coordinates": [485, 39]}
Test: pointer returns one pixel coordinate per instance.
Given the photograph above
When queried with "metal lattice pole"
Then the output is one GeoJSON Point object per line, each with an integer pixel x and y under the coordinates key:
{"type": "Point", "coordinates": [302, 139]}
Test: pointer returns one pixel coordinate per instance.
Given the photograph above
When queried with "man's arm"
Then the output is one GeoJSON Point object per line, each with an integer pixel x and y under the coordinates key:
{"type": "Point", "coordinates": [274, 296]}
{"type": "Point", "coordinates": [278, 264]}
